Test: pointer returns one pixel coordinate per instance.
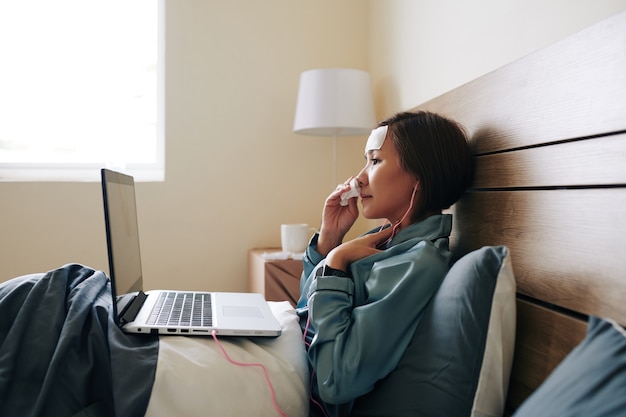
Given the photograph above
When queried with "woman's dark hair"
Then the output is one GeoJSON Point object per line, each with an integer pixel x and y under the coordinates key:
{"type": "Point", "coordinates": [436, 150]}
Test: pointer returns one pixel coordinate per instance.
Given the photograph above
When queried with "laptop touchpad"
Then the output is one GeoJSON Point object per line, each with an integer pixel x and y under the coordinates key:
{"type": "Point", "coordinates": [242, 311]}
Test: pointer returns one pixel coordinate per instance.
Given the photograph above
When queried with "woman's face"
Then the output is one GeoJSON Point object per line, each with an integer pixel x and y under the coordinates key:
{"type": "Point", "coordinates": [386, 188]}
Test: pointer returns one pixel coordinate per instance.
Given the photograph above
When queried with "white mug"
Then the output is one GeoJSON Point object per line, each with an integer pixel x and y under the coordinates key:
{"type": "Point", "coordinates": [294, 237]}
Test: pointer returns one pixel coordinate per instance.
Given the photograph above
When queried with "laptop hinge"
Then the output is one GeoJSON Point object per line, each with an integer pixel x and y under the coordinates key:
{"type": "Point", "coordinates": [133, 308]}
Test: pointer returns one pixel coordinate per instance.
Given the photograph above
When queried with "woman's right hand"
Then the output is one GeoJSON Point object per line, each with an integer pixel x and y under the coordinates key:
{"type": "Point", "coordinates": [336, 219]}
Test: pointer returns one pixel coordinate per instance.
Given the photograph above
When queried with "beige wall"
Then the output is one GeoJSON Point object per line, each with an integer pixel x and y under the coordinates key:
{"type": "Point", "coordinates": [235, 170]}
{"type": "Point", "coordinates": [421, 49]}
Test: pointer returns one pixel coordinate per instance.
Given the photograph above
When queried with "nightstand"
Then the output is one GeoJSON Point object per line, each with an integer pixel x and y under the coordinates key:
{"type": "Point", "coordinates": [276, 279]}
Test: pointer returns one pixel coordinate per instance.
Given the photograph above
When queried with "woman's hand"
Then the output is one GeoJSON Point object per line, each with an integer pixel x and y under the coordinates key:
{"type": "Point", "coordinates": [336, 219]}
{"type": "Point", "coordinates": [343, 255]}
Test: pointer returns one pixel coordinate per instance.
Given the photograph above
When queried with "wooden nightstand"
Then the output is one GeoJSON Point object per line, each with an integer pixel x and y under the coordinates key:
{"type": "Point", "coordinates": [276, 279]}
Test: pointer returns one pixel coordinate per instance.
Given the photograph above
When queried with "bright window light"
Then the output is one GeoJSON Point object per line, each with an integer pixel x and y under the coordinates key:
{"type": "Point", "coordinates": [80, 89]}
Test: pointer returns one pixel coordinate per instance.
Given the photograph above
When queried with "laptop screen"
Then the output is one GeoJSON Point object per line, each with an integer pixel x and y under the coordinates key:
{"type": "Point", "coordinates": [120, 213]}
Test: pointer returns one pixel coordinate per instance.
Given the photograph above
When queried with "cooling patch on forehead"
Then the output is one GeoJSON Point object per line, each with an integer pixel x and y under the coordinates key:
{"type": "Point", "coordinates": [376, 139]}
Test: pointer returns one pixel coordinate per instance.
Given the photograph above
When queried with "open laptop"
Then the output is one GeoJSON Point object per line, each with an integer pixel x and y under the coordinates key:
{"type": "Point", "coordinates": [168, 312]}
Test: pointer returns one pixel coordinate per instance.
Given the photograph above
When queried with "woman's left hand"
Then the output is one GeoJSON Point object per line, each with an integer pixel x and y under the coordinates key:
{"type": "Point", "coordinates": [343, 255]}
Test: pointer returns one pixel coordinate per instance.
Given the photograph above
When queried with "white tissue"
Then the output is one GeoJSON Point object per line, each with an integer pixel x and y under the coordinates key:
{"type": "Point", "coordinates": [354, 191]}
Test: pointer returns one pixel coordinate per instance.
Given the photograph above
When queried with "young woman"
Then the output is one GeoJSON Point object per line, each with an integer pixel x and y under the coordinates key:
{"type": "Point", "coordinates": [361, 300]}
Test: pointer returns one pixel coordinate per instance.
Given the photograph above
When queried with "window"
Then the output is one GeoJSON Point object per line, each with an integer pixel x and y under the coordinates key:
{"type": "Point", "coordinates": [81, 87]}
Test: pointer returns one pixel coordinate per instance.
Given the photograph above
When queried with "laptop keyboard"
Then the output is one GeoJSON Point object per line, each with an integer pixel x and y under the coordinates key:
{"type": "Point", "coordinates": [182, 309]}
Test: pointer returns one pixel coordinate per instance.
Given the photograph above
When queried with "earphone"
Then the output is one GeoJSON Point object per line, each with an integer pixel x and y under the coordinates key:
{"type": "Point", "coordinates": [399, 222]}
{"type": "Point", "coordinates": [265, 373]}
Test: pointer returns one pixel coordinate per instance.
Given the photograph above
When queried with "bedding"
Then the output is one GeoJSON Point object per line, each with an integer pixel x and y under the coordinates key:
{"type": "Point", "coordinates": [591, 380]}
{"type": "Point", "coordinates": [460, 357]}
{"type": "Point", "coordinates": [61, 354]}
{"type": "Point", "coordinates": [191, 370]}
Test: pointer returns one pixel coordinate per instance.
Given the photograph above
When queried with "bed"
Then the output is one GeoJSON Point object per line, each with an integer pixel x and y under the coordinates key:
{"type": "Point", "coordinates": [61, 354]}
{"type": "Point", "coordinates": [536, 297]}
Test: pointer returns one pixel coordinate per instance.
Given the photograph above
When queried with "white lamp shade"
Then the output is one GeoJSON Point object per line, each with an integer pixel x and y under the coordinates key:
{"type": "Point", "coordinates": [334, 101]}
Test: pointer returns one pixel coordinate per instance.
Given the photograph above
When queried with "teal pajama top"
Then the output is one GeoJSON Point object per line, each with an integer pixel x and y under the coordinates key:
{"type": "Point", "coordinates": [359, 327]}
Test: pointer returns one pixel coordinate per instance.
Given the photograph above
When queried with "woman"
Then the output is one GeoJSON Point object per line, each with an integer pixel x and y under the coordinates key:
{"type": "Point", "coordinates": [361, 300]}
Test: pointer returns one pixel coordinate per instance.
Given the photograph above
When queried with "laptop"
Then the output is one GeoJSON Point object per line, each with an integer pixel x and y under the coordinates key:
{"type": "Point", "coordinates": [196, 313]}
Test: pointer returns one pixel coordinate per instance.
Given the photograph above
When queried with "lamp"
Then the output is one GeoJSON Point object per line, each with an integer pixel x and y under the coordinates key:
{"type": "Point", "coordinates": [334, 102]}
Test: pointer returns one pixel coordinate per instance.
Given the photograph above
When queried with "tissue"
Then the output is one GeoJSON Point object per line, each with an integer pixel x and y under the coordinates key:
{"type": "Point", "coordinates": [353, 192]}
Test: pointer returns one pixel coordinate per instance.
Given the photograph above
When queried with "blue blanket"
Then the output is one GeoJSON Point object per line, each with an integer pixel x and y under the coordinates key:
{"type": "Point", "coordinates": [61, 354]}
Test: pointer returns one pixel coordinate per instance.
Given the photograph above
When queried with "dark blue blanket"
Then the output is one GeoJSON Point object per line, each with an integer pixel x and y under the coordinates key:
{"type": "Point", "coordinates": [61, 354]}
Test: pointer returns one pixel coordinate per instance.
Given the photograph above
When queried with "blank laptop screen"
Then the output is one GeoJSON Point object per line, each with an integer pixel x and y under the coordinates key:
{"type": "Point", "coordinates": [122, 232]}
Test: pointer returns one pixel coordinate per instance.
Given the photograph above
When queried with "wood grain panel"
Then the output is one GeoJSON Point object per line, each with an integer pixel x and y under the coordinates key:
{"type": "Point", "coordinates": [567, 246]}
{"type": "Point", "coordinates": [572, 89]}
{"type": "Point", "coordinates": [543, 339]}
{"type": "Point", "coordinates": [597, 161]}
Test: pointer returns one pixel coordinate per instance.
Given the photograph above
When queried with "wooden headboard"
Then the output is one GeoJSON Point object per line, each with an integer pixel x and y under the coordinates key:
{"type": "Point", "coordinates": [549, 136]}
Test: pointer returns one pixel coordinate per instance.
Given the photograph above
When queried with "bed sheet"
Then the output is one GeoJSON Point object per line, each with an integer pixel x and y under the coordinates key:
{"type": "Point", "coordinates": [194, 378]}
